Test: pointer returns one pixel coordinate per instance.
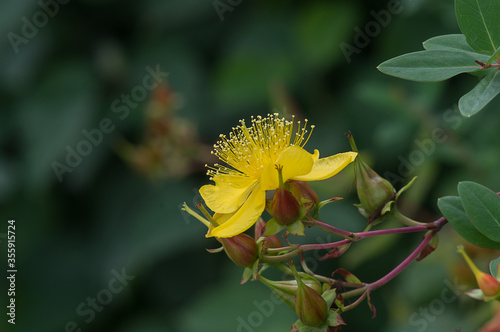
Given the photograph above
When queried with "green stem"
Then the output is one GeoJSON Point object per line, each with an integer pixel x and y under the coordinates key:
{"type": "Point", "coordinates": [356, 303]}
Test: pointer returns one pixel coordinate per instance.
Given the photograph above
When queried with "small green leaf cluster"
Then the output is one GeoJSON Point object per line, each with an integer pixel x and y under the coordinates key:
{"type": "Point", "coordinates": [476, 51]}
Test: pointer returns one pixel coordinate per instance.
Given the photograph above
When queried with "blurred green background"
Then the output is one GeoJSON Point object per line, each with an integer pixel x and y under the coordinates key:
{"type": "Point", "coordinates": [104, 246]}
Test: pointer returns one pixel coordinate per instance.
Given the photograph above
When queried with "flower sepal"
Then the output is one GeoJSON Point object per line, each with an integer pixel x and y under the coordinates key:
{"type": "Point", "coordinates": [296, 228]}
{"type": "Point", "coordinates": [250, 272]}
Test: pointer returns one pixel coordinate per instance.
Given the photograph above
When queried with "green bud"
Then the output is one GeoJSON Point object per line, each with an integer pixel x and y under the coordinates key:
{"type": "Point", "coordinates": [242, 249]}
{"type": "Point", "coordinates": [373, 190]}
{"type": "Point", "coordinates": [310, 306]}
{"type": "Point", "coordinates": [286, 290]}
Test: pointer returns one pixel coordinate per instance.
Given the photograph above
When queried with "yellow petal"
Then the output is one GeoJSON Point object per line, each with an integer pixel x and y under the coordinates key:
{"type": "Point", "coordinates": [295, 161]}
{"type": "Point", "coordinates": [327, 167]}
{"type": "Point", "coordinates": [244, 218]}
{"type": "Point", "coordinates": [225, 196]}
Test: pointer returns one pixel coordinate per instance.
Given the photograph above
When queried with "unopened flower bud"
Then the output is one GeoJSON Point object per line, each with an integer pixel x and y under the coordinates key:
{"type": "Point", "coordinates": [272, 241]}
{"type": "Point", "coordinates": [286, 290]}
{"type": "Point", "coordinates": [373, 190]}
{"type": "Point", "coordinates": [307, 197]}
{"type": "Point", "coordinates": [310, 306]}
{"type": "Point", "coordinates": [284, 207]}
{"type": "Point", "coordinates": [488, 284]}
{"type": "Point", "coordinates": [242, 249]}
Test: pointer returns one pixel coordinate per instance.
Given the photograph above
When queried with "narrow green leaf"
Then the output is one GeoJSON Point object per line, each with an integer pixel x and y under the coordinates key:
{"type": "Point", "coordinates": [430, 66]}
{"type": "Point", "coordinates": [456, 42]}
{"type": "Point", "coordinates": [479, 21]}
{"type": "Point", "coordinates": [476, 99]}
{"type": "Point", "coordinates": [453, 42]}
{"type": "Point", "coordinates": [483, 208]}
{"type": "Point", "coordinates": [494, 267]}
{"type": "Point", "coordinates": [452, 209]}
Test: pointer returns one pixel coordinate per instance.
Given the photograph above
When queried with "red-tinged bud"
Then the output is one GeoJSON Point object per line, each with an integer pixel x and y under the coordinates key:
{"type": "Point", "coordinates": [488, 284]}
{"type": "Point", "coordinates": [310, 306]}
{"type": "Point", "coordinates": [242, 249]}
{"type": "Point", "coordinates": [373, 190]}
{"type": "Point", "coordinates": [284, 207]}
{"type": "Point", "coordinates": [272, 241]}
{"type": "Point", "coordinates": [303, 192]}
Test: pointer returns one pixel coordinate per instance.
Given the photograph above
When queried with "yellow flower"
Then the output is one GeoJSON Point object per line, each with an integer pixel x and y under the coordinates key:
{"type": "Point", "coordinates": [253, 153]}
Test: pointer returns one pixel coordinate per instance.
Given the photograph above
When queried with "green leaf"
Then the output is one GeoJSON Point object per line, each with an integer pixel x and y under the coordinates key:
{"type": "Point", "coordinates": [430, 66]}
{"type": "Point", "coordinates": [494, 267]}
{"type": "Point", "coordinates": [493, 57]}
{"type": "Point", "coordinates": [476, 99]}
{"type": "Point", "coordinates": [483, 208]}
{"type": "Point", "coordinates": [453, 42]}
{"type": "Point", "coordinates": [452, 209]}
{"type": "Point", "coordinates": [479, 21]}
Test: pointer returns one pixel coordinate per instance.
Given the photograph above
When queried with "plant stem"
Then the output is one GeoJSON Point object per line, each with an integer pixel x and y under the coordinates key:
{"type": "Point", "coordinates": [356, 303]}
{"type": "Point", "coordinates": [354, 292]}
{"type": "Point", "coordinates": [331, 229]}
{"type": "Point", "coordinates": [299, 249]}
{"type": "Point", "coordinates": [382, 281]}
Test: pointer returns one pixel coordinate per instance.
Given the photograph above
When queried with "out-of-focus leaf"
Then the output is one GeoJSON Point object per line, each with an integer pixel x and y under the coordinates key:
{"type": "Point", "coordinates": [483, 208]}
{"type": "Point", "coordinates": [476, 99]}
{"type": "Point", "coordinates": [494, 267]}
{"type": "Point", "coordinates": [452, 209]}
{"type": "Point", "coordinates": [52, 123]}
{"type": "Point", "coordinates": [479, 21]}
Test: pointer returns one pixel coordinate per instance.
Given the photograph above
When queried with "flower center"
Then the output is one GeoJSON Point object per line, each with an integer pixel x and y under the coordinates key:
{"type": "Point", "coordinates": [248, 150]}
